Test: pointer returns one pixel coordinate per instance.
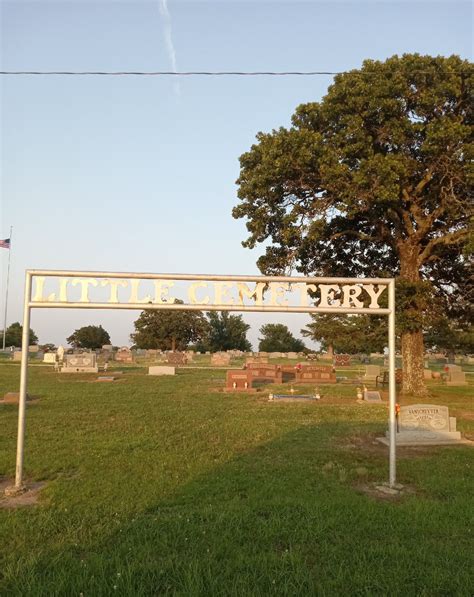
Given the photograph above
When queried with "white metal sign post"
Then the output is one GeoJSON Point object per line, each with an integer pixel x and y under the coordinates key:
{"type": "Point", "coordinates": [49, 289]}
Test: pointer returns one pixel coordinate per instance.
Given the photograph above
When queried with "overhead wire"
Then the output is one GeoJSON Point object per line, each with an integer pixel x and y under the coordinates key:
{"type": "Point", "coordinates": [69, 73]}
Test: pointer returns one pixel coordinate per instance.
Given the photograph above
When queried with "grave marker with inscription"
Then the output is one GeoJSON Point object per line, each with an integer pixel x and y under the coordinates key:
{"type": "Point", "coordinates": [80, 363]}
{"type": "Point", "coordinates": [315, 373]}
{"type": "Point", "coordinates": [425, 424]}
{"type": "Point", "coordinates": [238, 380]}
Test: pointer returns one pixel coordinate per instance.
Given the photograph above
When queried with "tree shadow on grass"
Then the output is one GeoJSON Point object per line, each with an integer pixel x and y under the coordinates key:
{"type": "Point", "coordinates": [280, 519]}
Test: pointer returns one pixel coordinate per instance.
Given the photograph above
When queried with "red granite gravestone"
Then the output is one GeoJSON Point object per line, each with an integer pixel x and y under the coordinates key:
{"type": "Point", "coordinates": [288, 372]}
{"type": "Point", "coordinates": [315, 373]}
{"type": "Point", "coordinates": [238, 380]}
{"type": "Point", "coordinates": [265, 373]}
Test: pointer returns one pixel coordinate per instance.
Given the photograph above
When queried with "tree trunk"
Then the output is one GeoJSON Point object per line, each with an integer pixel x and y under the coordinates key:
{"type": "Point", "coordinates": [413, 363]}
{"type": "Point", "coordinates": [412, 342]}
{"type": "Point", "coordinates": [173, 344]}
{"type": "Point", "coordinates": [330, 351]}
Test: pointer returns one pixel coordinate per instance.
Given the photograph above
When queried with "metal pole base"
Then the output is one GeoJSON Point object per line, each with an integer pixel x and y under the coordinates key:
{"type": "Point", "coordinates": [14, 491]}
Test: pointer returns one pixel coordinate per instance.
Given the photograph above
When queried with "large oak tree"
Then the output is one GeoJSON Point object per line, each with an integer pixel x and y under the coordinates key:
{"type": "Point", "coordinates": [372, 181]}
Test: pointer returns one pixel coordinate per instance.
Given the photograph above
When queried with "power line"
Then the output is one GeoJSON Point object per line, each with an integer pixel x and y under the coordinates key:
{"type": "Point", "coordinates": [211, 73]}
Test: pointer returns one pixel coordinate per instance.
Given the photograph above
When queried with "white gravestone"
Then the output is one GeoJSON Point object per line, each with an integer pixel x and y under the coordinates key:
{"type": "Point", "coordinates": [81, 363]}
{"type": "Point", "coordinates": [161, 370]}
{"type": "Point", "coordinates": [371, 372]}
{"type": "Point", "coordinates": [425, 424]}
{"type": "Point", "coordinates": [49, 357]}
{"type": "Point", "coordinates": [456, 378]}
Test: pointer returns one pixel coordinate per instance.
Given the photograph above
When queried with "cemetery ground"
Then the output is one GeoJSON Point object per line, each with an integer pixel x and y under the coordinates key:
{"type": "Point", "coordinates": [165, 485]}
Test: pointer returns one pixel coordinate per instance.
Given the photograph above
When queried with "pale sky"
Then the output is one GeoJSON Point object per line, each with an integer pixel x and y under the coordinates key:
{"type": "Point", "coordinates": [138, 174]}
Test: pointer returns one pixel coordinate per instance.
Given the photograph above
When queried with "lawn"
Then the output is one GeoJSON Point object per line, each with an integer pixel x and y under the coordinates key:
{"type": "Point", "coordinates": [167, 486]}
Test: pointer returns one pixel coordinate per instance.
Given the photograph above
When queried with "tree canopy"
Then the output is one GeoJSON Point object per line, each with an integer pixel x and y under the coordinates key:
{"type": "Point", "coordinates": [169, 330]}
{"type": "Point", "coordinates": [276, 337]}
{"type": "Point", "coordinates": [348, 334]}
{"type": "Point", "coordinates": [89, 336]}
{"type": "Point", "coordinates": [372, 181]}
{"type": "Point", "coordinates": [225, 332]}
{"type": "Point", "coordinates": [14, 333]}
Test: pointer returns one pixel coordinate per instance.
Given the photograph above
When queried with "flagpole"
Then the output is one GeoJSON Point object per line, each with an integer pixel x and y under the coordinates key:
{"type": "Point", "coordinates": [6, 294]}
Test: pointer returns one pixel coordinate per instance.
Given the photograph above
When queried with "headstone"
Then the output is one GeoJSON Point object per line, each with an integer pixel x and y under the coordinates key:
{"type": "Point", "coordinates": [238, 380]}
{"type": "Point", "coordinates": [161, 370]}
{"type": "Point", "coordinates": [427, 373]}
{"type": "Point", "coordinates": [176, 358]}
{"type": "Point", "coordinates": [33, 348]}
{"type": "Point", "coordinates": [49, 357]}
{"type": "Point", "coordinates": [288, 373]}
{"type": "Point", "coordinates": [425, 424]}
{"type": "Point", "coordinates": [342, 360]}
{"type": "Point", "coordinates": [81, 363]}
{"type": "Point", "coordinates": [220, 359]}
{"type": "Point", "coordinates": [265, 373]}
{"type": "Point", "coordinates": [17, 355]}
{"type": "Point", "coordinates": [124, 355]}
{"type": "Point", "coordinates": [275, 355]}
{"type": "Point", "coordinates": [106, 378]}
{"type": "Point", "coordinates": [456, 378]}
{"type": "Point", "coordinates": [107, 347]}
{"type": "Point", "coordinates": [315, 373]}
{"type": "Point", "coordinates": [371, 372]}
{"type": "Point", "coordinates": [292, 355]}
{"type": "Point", "coordinates": [370, 396]}
{"type": "Point", "coordinates": [256, 360]}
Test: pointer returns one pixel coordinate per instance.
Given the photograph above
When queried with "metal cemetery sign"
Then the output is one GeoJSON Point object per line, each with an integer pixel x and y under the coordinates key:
{"type": "Point", "coordinates": [48, 289]}
{"type": "Point", "coordinates": [240, 293]}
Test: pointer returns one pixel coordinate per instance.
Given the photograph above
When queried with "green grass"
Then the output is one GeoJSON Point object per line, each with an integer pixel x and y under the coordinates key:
{"type": "Point", "coordinates": [165, 486]}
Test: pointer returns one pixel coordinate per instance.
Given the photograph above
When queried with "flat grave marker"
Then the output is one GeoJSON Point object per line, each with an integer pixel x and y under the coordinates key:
{"type": "Point", "coordinates": [161, 370]}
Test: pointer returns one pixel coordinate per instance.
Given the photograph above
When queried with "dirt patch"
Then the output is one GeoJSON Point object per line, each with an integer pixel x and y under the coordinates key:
{"type": "Point", "coordinates": [465, 414]}
{"type": "Point", "coordinates": [382, 492]}
{"type": "Point", "coordinates": [29, 497]}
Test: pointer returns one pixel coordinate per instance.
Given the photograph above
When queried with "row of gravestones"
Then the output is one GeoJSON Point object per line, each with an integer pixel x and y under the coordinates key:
{"type": "Point", "coordinates": [256, 373]}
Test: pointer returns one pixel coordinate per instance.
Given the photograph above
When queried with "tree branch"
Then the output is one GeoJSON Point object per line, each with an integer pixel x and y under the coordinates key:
{"type": "Point", "coordinates": [453, 238]}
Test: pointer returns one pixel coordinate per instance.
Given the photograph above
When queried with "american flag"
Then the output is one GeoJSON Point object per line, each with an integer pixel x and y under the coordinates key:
{"type": "Point", "coordinates": [5, 243]}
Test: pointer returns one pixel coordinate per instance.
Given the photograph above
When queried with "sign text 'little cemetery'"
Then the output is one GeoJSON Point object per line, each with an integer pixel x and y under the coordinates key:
{"type": "Point", "coordinates": [211, 294]}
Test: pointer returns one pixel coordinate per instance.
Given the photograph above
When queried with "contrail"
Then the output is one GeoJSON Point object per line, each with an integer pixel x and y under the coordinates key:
{"type": "Point", "coordinates": [165, 13]}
